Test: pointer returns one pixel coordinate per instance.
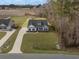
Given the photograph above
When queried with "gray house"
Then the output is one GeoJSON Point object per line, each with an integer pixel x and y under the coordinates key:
{"type": "Point", "coordinates": [38, 25]}
{"type": "Point", "coordinates": [6, 24]}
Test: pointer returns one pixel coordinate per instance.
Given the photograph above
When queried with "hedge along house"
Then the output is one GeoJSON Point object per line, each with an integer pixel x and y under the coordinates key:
{"type": "Point", "coordinates": [38, 25]}
{"type": "Point", "coordinates": [6, 24]}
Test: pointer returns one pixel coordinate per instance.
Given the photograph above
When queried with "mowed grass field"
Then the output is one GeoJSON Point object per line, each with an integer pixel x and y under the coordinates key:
{"type": "Point", "coordinates": [36, 41]}
{"type": "Point", "coordinates": [19, 20]}
{"type": "Point", "coordinates": [2, 34]}
{"type": "Point", "coordinates": [43, 42]}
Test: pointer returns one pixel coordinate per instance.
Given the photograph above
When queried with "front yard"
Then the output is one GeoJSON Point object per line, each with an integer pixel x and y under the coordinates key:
{"type": "Point", "coordinates": [45, 41]}
{"type": "Point", "coordinates": [7, 46]}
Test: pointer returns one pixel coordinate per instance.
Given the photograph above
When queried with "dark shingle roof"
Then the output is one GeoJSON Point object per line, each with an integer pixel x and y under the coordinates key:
{"type": "Point", "coordinates": [5, 21]}
{"type": "Point", "coordinates": [37, 23]}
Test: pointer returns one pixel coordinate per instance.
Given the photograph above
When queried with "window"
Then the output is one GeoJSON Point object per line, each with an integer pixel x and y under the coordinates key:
{"type": "Point", "coordinates": [33, 29]}
{"type": "Point", "coordinates": [45, 29]}
{"type": "Point", "coordinates": [29, 29]}
{"type": "Point", "coordinates": [40, 28]}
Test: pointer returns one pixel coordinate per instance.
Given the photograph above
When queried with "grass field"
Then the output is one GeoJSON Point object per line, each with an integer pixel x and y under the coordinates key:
{"type": "Point", "coordinates": [2, 34]}
{"type": "Point", "coordinates": [25, 24]}
{"type": "Point", "coordinates": [19, 20]}
{"type": "Point", "coordinates": [39, 41]}
{"type": "Point", "coordinates": [43, 42]}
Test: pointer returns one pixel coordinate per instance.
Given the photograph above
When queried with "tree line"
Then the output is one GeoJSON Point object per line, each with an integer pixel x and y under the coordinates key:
{"type": "Point", "coordinates": [19, 6]}
{"type": "Point", "coordinates": [64, 16]}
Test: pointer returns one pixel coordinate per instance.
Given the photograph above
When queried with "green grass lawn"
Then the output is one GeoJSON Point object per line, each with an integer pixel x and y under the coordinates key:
{"type": "Point", "coordinates": [43, 42]}
{"type": "Point", "coordinates": [25, 24]}
{"type": "Point", "coordinates": [39, 41]}
{"type": "Point", "coordinates": [19, 19]}
{"type": "Point", "coordinates": [2, 34]}
{"type": "Point", "coordinates": [7, 46]}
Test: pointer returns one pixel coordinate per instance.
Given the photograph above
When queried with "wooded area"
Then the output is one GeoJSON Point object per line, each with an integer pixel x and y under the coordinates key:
{"type": "Point", "coordinates": [64, 16]}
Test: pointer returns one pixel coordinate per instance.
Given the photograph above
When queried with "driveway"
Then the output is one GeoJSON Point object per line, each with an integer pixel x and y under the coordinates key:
{"type": "Point", "coordinates": [17, 45]}
{"type": "Point", "coordinates": [38, 56]}
{"type": "Point", "coordinates": [6, 37]}
{"type": "Point", "coordinates": [18, 42]}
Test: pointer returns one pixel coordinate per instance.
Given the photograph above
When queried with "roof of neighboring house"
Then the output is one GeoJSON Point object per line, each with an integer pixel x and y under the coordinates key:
{"type": "Point", "coordinates": [4, 21]}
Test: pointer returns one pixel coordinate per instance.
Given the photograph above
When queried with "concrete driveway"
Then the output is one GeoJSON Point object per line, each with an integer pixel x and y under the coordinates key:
{"type": "Point", "coordinates": [6, 37]}
{"type": "Point", "coordinates": [18, 42]}
{"type": "Point", "coordinates": [17, 45]}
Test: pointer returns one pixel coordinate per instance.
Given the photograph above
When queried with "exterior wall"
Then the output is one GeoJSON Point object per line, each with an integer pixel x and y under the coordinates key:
{"type": "Point", "coordinates": [42, 29]}
{"type": "Point", "coordinates": [32, 29]}
{"type": "Point", "coordinates": [10, 25]}
{"type": "Point", "coordinates": [2, 27]}
{"type": "Point", "coordinates": [9, 28]}
{"type": "Point", "coordinates": [38, 29]}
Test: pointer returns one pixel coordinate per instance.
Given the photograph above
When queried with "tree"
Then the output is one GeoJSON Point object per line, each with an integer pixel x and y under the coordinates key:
{"type": "Point", "coordinates": [66, 22]}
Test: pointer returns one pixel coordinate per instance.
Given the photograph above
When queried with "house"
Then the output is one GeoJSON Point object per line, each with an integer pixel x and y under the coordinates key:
{"type": "Point", "coordinates": [6, 24]}
{"type": "Point", "coordinates": [38, 25]}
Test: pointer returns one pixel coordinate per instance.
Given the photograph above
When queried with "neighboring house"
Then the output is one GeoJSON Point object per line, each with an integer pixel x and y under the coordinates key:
{"type": "Point", "coordinates": [6, 24]}
{"type": "Point", "coordinates": [38, 25]}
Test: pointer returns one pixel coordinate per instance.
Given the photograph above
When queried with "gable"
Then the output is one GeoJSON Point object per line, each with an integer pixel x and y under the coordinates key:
{"type": "Point", "coordinates": [2, 25]}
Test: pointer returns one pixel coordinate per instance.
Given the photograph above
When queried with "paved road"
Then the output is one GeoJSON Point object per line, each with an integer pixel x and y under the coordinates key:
{"type": "Point", "coordinates": [18, 42]}
{"type": "Point", "coordinates": [6, 37]}
{"type": "Point", "coordinates": [38, 56]}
